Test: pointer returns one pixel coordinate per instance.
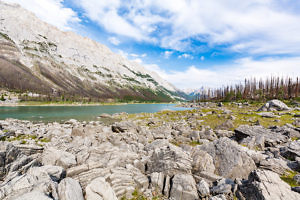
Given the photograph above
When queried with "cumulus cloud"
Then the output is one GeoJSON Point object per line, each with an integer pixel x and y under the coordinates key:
{"type": "Point", "coordinates": [167, 54]}
{"type": "Point", "coordinates": [50, 11]}
{"type": "Point", "coordinates": [185, 55]}
{"type": "Point", "coordinates": [221, 75]}
{"type": "Point", "coordinates": [254, 26]}
{"type": "Point", "coordinates": [114, 41]}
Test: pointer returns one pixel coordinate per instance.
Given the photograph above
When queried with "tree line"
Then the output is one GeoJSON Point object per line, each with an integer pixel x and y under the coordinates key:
{"type": "Point", "coordinates": [253, 89]}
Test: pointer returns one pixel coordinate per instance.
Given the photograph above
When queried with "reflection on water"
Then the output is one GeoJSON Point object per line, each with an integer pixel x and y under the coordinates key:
{"type": "Point", "coordinates": [61, 113]}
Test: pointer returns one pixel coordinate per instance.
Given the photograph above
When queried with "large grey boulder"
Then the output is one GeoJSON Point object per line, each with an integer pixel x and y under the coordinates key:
{"type": "Point", "coordinates": [183, 187]}
{"type": "Point", "coordinates": [158, 182]}
{"type": "Point", "coordinates": [125, 180]}
{"type": "Point", "coordinates": [99, 189]}
{"type": "Point", "coordinates": [203, 189]}
{"type": "Point", "coordinates": [169, 159]}
{"type": "Point", "coordinates": [202, 161]}
{"type": "Point", "coordinates": [258, 137]}
{"type": "Point", "coordinates": [277, 165]}
{"type": "Point", "coordinates": [69, 189]}
{"type": "Point", "coordinates": [292, 150]}
{"type": "Point", "coordinates": [52, 156]}
{"type": "Point", "coordinates": [13, 160]}
{"type": "Point", "coordinates": [229, 159]}
{"type": "Point", "coordinates": [274, 105]}
{"type": "Point", "coordinates": [36, 179]}
{"type": "Point", "coordinates": [288, 130]}
{"type": "Point", "coordinates": [120, 127]}
{"type": "Point", "coordinates": [267, 185]}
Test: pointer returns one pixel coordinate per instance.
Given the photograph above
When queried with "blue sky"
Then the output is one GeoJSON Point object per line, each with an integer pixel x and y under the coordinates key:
{"type": "Point", "coordinates": [190, 43]}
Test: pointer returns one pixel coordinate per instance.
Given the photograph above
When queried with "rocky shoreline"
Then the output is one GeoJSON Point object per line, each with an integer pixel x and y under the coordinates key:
{"type": "Point", "coordinates": [214, 152]}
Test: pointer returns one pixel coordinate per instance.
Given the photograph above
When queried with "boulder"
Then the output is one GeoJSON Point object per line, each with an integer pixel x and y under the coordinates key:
{"type": "Point", "coordinates": [69, 189]}
{"type": "Point", "coordinates": [229, 160]}
{"type": "Point", "coordinates": [120, 127]}
{"type": "Point", "coordinates": [34, 195]}
{"type": "Point", "coordinates": [218, 197]}
{"type": "Point", "coordinates": [160, 183]}
{"type": "Point", "coordinates": [297, 178]}
{"type": "Point", "coordinates": [105, 115]}
{"type": "Point", "coordinates": [208, 134]}
{"type": "Point", "coordinates": [56, 173]}
{"type": "Point", "coordinates": [77, 131]}
{"type": "Point", "coordinates": [169, 159]}
{"type": "Point", "coordinates": [202, 161]}
{"type": "Point", "coordinates": [183, 187]}
{"type": "Point", "coordinates": [72, 122]}
{"type": "Point", "coordinates": [221, 189]}
{"type": "Point", "coordinates": [13, 160]}
{"type": "Point", "coordinates": [277, 165]}
{"type": "Point", "coordinates": [99, 189]}
{"type": "Point", "coordinates": [258, 136]}
{"type": "Point", "coordinates": [36, 179]}
{"type": "Point", "coordinates": [267, 185]}
{"type": "Point", "coordinates": [291, 151]}
{"type": "Point", "coordinates": [125, 180]}
{"type": "Point", "coordinates": [287, 130]}
{"type": "Point", "coordinates": [224, 133]}
{"type": "Point", "coordinates": [203, 189]}
{"type": "Point", "coordinates": [274, 105]}
{"type": "Point", "coordinates": [227, 125]}
{"type": "Point", "coordinates": [61, 158]}
{"type": "Point", "coordinates": [268, 115]}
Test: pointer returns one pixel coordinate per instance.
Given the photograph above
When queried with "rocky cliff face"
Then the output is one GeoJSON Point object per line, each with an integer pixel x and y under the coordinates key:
{"type": "Point", "coordinates": [36, 56]}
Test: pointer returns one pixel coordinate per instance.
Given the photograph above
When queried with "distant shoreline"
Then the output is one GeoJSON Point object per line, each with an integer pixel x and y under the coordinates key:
{"type": "Point", "coordinates": [76, 104]}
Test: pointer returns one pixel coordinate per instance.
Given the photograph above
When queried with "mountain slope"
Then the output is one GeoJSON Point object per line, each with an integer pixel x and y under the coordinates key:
{"type": "Point", "coordinates": [38, 57]}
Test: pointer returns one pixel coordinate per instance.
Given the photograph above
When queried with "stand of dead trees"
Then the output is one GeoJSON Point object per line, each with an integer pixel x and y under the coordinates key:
{"type": "Point", "coordinates": [256, 90]}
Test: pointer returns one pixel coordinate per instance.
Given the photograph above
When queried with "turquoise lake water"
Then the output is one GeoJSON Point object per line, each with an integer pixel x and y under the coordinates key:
{"type": "Point", "coordinates": [87, 113]}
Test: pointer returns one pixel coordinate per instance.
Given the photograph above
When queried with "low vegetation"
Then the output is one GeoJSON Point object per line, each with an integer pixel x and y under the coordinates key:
{"type": "Point", "coordinates": [288, 178]}
{"type": "Point", "coordinates": [25, 138]}
{"type": "Point", "coordinates": [213, 117]}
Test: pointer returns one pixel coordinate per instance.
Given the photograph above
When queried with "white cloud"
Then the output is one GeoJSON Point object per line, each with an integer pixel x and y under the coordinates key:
{"type": "Point", "coordinates": [134, 55]}
{"type": "Point", "coordinates": [220, 75]}
{"type": "Point", "coordinates": [185, 55]}
{"type": "Point", "coordinates": [137, 56]}
{"type": "Point", "coordinates": [106, 14]}
{"type": "Point", "coordinates": [251, 26]}
{"type": "Point", "coordinates": [50, 11]}
{"type": "Point", "coordinates": [167, 54]}
{"type": "Point", "coordinates": [114, 41]}
{"type": "Point", "coordinates": [202, 58]}
{"type": "Point", "coordinates": [254, 26]}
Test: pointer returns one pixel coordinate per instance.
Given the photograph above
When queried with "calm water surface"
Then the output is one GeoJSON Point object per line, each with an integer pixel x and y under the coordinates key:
{"type": "Point", "coordinates": [62, 113]}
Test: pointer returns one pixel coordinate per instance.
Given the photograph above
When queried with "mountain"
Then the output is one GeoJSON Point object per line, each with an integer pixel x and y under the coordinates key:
{"type": "Point", "coordinates": [192, 93]}
{"type": "Point", "coordinates": [38, 57]}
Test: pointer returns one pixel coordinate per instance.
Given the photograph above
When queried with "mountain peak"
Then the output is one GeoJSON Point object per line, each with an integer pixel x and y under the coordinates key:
{"type": "Point", "coordinates": [69, 63]}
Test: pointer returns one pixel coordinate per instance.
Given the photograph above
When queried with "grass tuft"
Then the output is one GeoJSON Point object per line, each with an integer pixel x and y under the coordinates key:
{"type": "Point", "coordinates": [288, 178]}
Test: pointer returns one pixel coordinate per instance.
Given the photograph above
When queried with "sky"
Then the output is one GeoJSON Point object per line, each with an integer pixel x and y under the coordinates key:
{"type": "Point", "coordinates": [190, 43]}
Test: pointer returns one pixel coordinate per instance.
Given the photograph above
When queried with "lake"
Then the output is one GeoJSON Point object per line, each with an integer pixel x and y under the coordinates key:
{"type": "Point", "coordinates": [87, 113]}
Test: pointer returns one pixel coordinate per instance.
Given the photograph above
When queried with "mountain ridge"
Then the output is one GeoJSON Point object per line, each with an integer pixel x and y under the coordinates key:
{"type": "Point", "coordinates": [34, 53]}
